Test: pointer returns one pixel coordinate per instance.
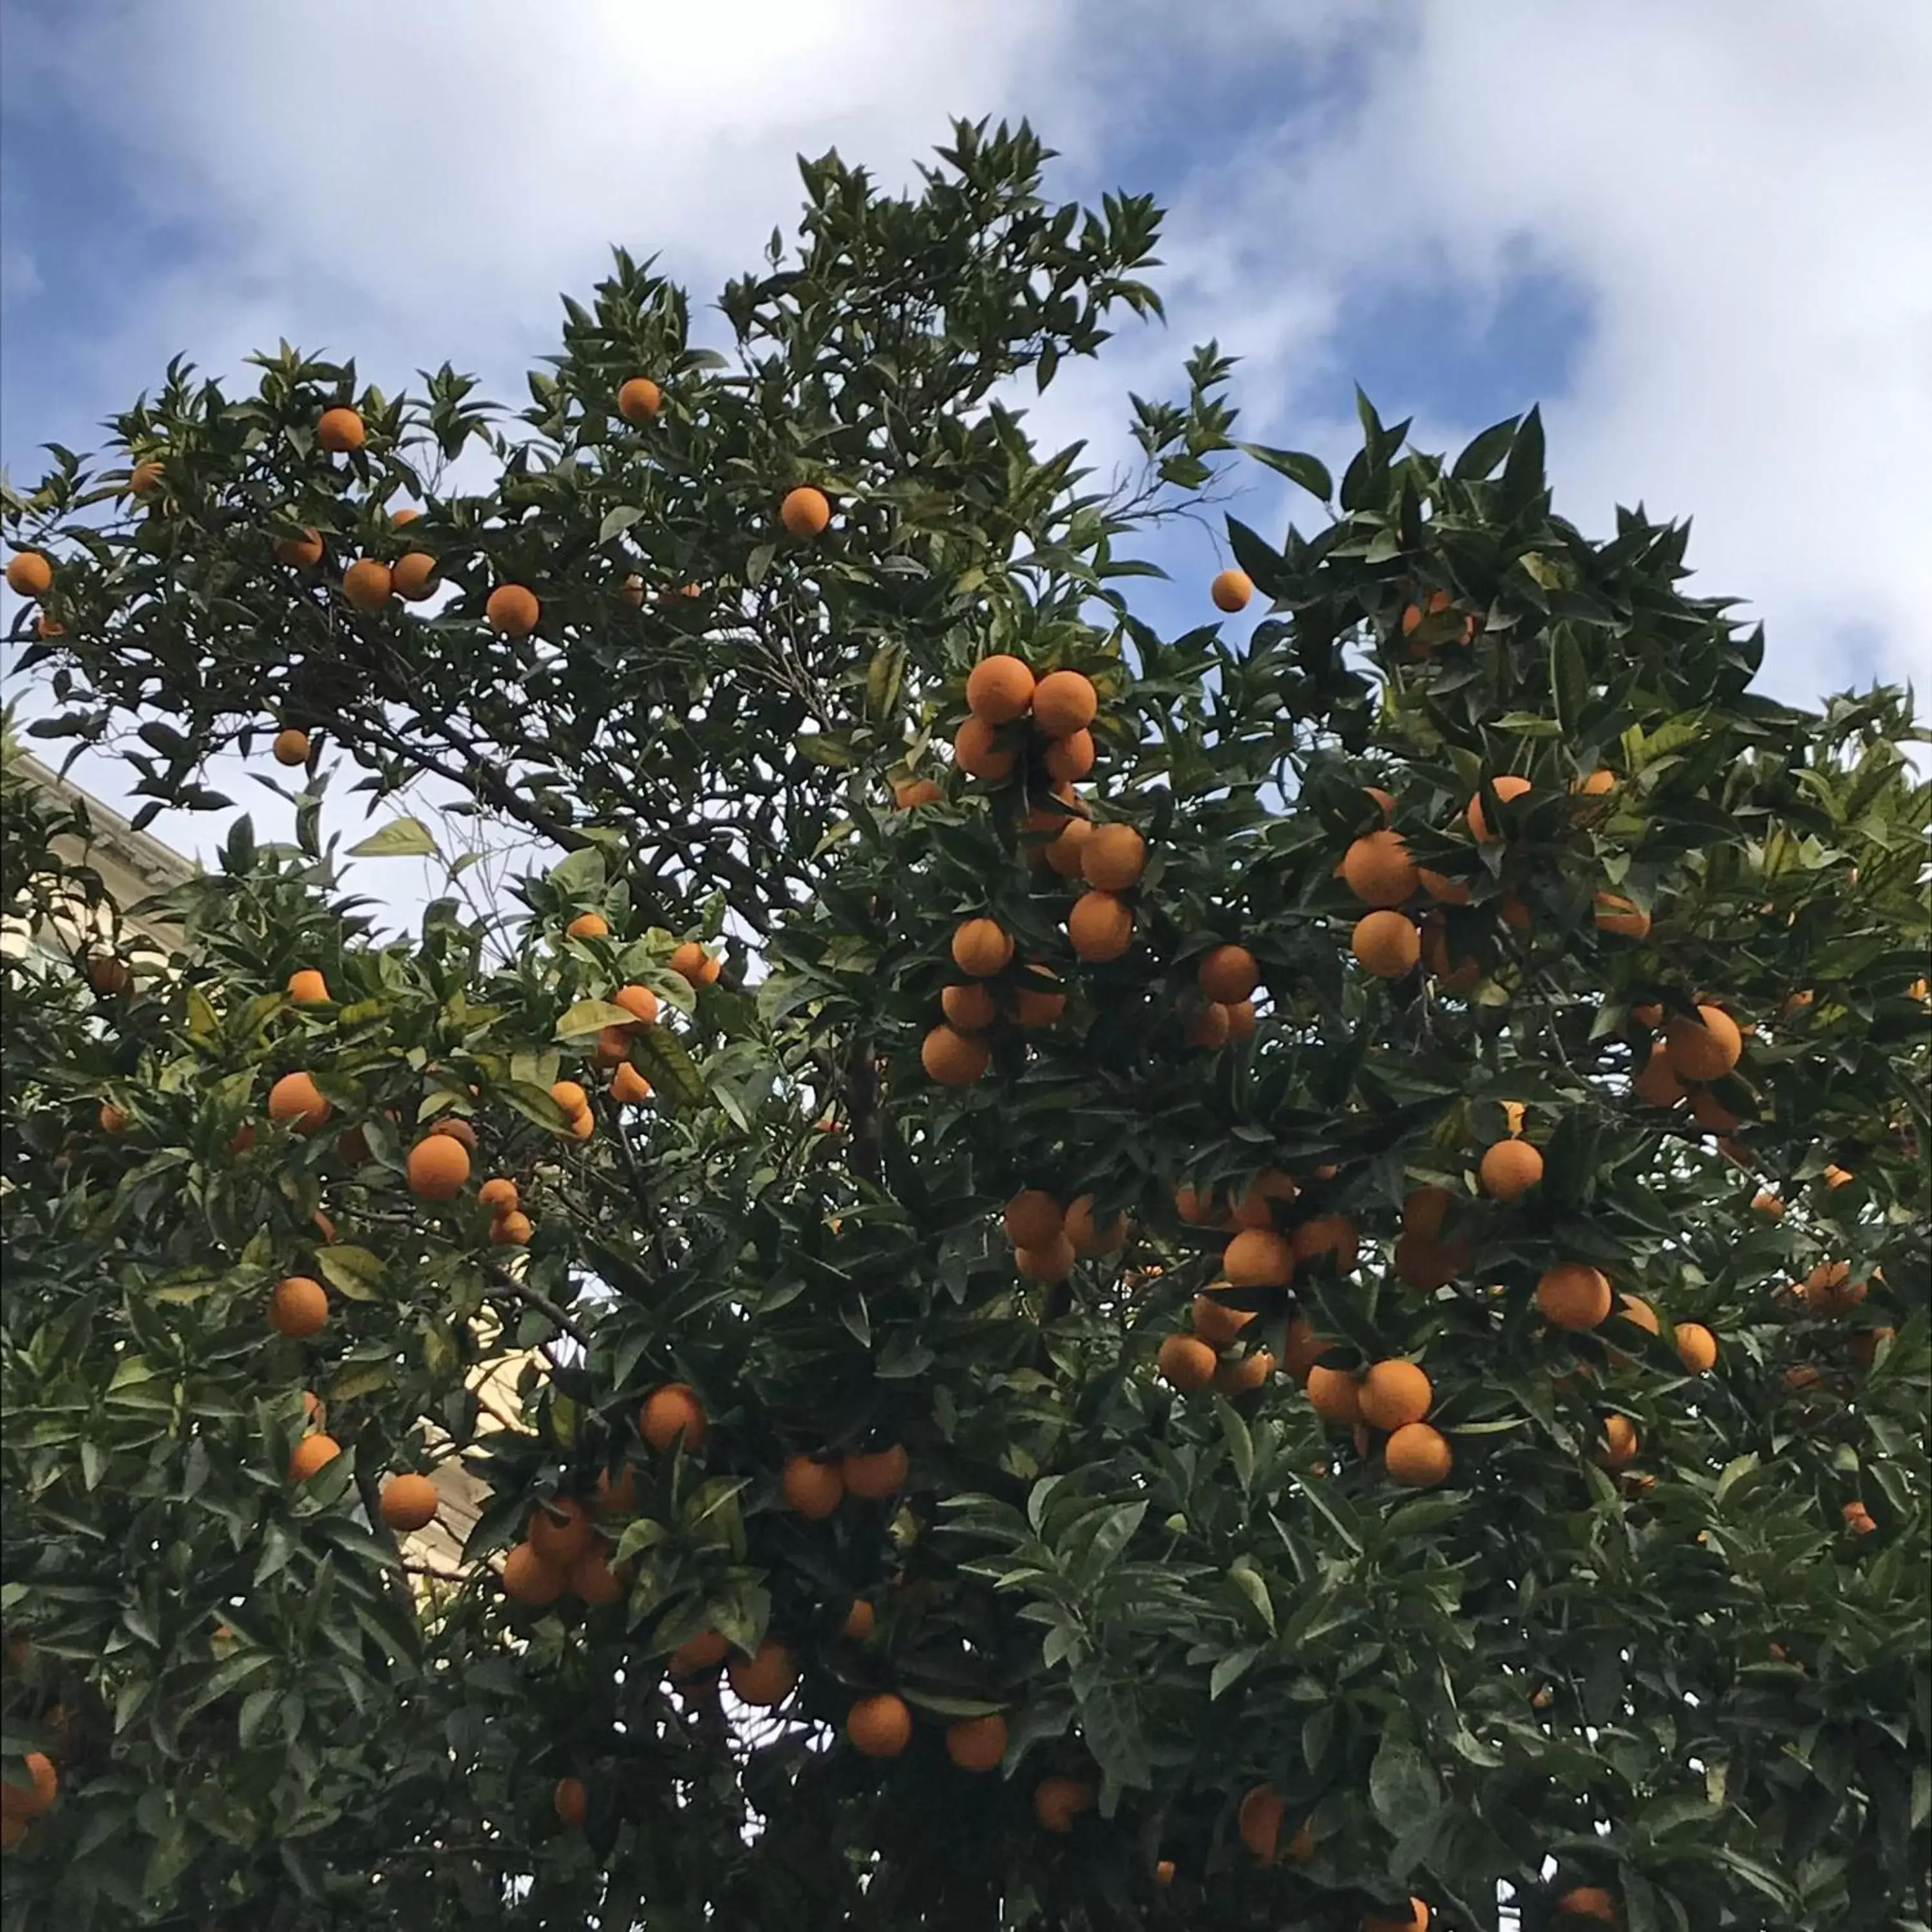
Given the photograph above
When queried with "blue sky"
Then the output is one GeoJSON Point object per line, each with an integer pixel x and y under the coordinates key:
{"type": "Point", "coordinates": [1701, 237]}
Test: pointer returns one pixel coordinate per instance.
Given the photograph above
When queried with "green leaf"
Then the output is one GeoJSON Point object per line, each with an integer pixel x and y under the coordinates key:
{"type": "Point", "coordinates": [618, 520]}
{"type": "Point", "coordinates": [590, 1017]}
{"type": "Point", "coordinates": [882, 679]}
{"type": "Point", "coordinates": [579, 871]}
{"type": "Point", "coordinates": [673, 1075]}
{"type": "Point", "coordinates": [1401, 1787]}
{"type": "Point", "coordinates": [1296, 465]}
{"type": "Point", "coordinates": [400, 839]}
{"type": "Point", "coordinates": [1253, 1585]}
{"type": "Point", "coordinates": [1569, 682]}
{"type": "Point", "coordinates": [352, 1271]}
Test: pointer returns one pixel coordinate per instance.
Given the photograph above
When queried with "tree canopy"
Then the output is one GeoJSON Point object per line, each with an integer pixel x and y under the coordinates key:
{"type": "Point", "coordinates": [1275, 1275]}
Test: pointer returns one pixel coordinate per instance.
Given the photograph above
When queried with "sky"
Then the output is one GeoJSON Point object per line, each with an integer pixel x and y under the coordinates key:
{"type": "Point", "coordinates": [1700, 236]}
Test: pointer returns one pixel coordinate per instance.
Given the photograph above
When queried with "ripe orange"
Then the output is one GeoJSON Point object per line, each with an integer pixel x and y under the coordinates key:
{"type": "Point", "coordinates": [969, 1008]}
{"type": "Point", "coordinates": [528, 1579]}
{"type": "Point", "coordinates": [615, 1495]}
{"type": "Point", "coordinates": [569, 1096]}
{"type": "Point", "coordinates": [302, 552]}
{"type": "Point", "coordinates": [1088, 1237]}
{"type": "Point", "coordinates": [639, 1001]}
{"type": "Point", "coordinates": [1588, 1901]}
{"type": "Point", "coordinates": [1378, 870]}
{"type": "Point", "coordinates": [1508, 787]}
{"type": "Point", "coordinates": [639, 400]}
{"type": "Point", "coordinates": [437, 1167]}
{"type": "Point", "coordinates": [1829, 1291]}
{"type": "Point", "coordinates": [1207, 1028]}
{"type": "Point", "coordinates": [876, 1474]}
{"type": "Point", "coordinates": [298, 1306]}
{"type": "Point", "coordinates": [691, 962]}
{"type": "Point", "coordinates": [879, 1726]}
{"type": "Point", "coordinates": [1240, 1018]}
{"type": "Point", "coordinates": [1099, 927]}
{"type": "Point", "coordinates": [145, 479]}
{"type": "Point", "coordinates": [1163, 1873]}
{"type": "Point", "coordinates": [340, 429]}
{"type": "Point", "coordinates": [511, 1229]}
{"type": "Point", "coordinates": [571, 1801]}
{"type": "Point", "coordinates": [982, 947]}
{"type": "Point", "coordinates": [406, 515]}
{"type": "Point", "coordinates": [1858, 1519]}
{"type": "Point", "coordinates": [1862, 1347]}
{"type": "Point", "coordinates": [1231, 590]}
{"type": "Point", "coordinates": [767, 1678]}
{"type": "Point", "coordinates": [1573, 1295]}
{"type": "Point", "coordinates": [1597, 784]}
{"type": "Point", "coordinates": [23, 1802]}
{"type": "Point", "coordinates": [910, 793]}
{"type": "Point", "coordinates": [112, 1120]}
{"type": "Point", "coordinates": [954, 1059]}
{"type": "Point", "coordinates": [628, 1087]}
{"type": "Point", "coordinates": [1424, 1210]}
{"type": "Point", "coordinates": [367, 585]}
{"type": "Point", "coordinates": [1058, 1801]}
{"type": "Point", "coordinates": [1304, 1347]}
{"type": "Point", "coordinates": [859, 1621]}
{"type": "Point", "coordinates": [1067, 853]}
{"type": "Point", "coordinates": [457, 1129]}
{"type": "Point", "coordinates": [588, 926]}
{"type": "Point", "coordinates": [1386, 944]}
{"type": "Point", "coordinates": [1247, 1372]}
{"type": "Point", "coordinates": [291, 747]}
{"type": "Point", "coordinates": [409, 1502]}
{"type": "Point", "coordinates": [413, 577]}
{"type": "Point", "coordinates": [1228, 974]}
{"type": "Point", "coordinates": [1417, 1921]}
{"type": "Point", "coordinates": [672, 1414]}
{"type": "Point", "coordinates": [1657, 1085]}
{"type": "Point", "coordinates": [813, 1488]}
{"type": "Point", "coordinates": [976, 753]}
{"type": "Point", "coordinates": [1711, 1113]}
{"type": "Point", "coordinates": [1053, 1262]}
{"type": "Point", "coordinates": [1768, 1205]}
{"type": "Point", "coordinates": [1258, 1258]}
{"type": "Point", "coordinates": [307, 987]}
{"type": "Point", "coordinates": [1336, 1395]}
{"type": "Point", "coordinates": [1255, 1208]}
{"type": "Point", "coordinates": [1619, 1447]}
{"type": "Point", "coordinates": [313, 1453]}
{"type": "Point", "coordinates": [512, 611]}
{"type": "Point", "coordinates": [1418, 1456]}
{"type": "Point", "coordinates": [559, 1530]}
{"type": "Point", "coordinates": [1635, 1309]}
{"type": "Point", "coordinates": [1330, 1236]}
{"type": "Point", "coordinates": [977, 1744]}
{"type": "Point", "coordinates": [1033, 1219]}
{"type": "Point", "coordinates": [1705, 1052]}
{"type": "Point", "coordinates": [1216, 1323]}
{"type": "Point", "coordinates": [295, 1100]}
{"type": "Point", "coordinates": [1440, 887]}
{"type": "Point", "coordinates": [592, 1578]}
{"type": "Point", "coordinates": [1064, 702]}
{"type": "Point", "coordinates": [1114, 857]}
{"type": "Point", "coordinates": [804, 511]}
{"type": "Point", "coordinates": [1070, 758]}
{"type": "Point", "coordinates": [692, 1658]}
{"type": "Point", "coordinates": [1259, 1821]}
{"type": "Point", "coordinates": [1394, 1394]}
{"type": "Point", "coordinates": [1623, 918]}
{"type": "Point", "coordinates": [999, 689]}
{"type": "Point", "coordinates": [499, 1195]}
{"type": "Point", "coordinates": [1186, 1362]}
{"type": "Point", "coordinates": [1510, 1169]}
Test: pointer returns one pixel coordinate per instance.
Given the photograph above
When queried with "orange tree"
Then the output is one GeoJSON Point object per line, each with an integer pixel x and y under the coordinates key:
{"type": "Point", "coordinates": [1281, 1273]}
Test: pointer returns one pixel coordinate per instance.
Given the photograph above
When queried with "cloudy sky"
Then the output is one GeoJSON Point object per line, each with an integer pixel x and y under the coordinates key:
{"type": "Point", "coordinates": [1700, 236]}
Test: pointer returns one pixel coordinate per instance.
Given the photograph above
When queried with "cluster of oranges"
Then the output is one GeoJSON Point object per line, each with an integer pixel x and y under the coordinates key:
{"type": "Point", "coordinates": [564, 1549]}
{"type": "Point", "coordinates": [1047, 1238]}
{"type": "Point", "coordinates": [20, 1804]}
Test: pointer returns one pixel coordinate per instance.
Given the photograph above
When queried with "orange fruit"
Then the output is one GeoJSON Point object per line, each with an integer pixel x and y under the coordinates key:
{"type": "Point", "coordinates": [692, 1658]}
{"type": "Point", "coordinates": [628, 1087]}
{"type": "Point", "coordinates": [1510, 1169]}
{"type": "Point", "coordinates": [298, 1306]}
{"type": "Point", "coordinates": [1216, 1323]}
{"type": "Point", "coordinates": [145, 479]}
{"type": "Point", "coordinates": [1623, 918]}
{"type": "Point", "coordinates": [112, 1120]}
{"type": "Point", "coordinates": [804, 511]}
{"type": "Point", "coordinates": [571, 1801]}
{"type": "Point", "coordinates": [528, 1579]}
{"type": "Point", "coordinates": [1033, 1219]}
{"type": "Point", "coordinates": [559, 1530]}
{"type": "Point", "coordinates": [638, 1001]}
{"type": "Point", "coordinates": [1711, 1113]}
{"type": "Point", "coordinates": [1597, 784]}
{"type": "Point", "coordinates": [1067, 852]}
{"type": "Point", "coordinates": [1068, 758]}
{"type": "Point", "coordinates": [499, 1194]}
{"type": "Point", "coordinates": [813, 1489]}
{"type": "Point", "coordinates": [1058, 1801]}
{"type": "Point", "coordinates": [1163, 1873]}
{"type": "Point", "coordinates": [1378, 870]}
{"type": "Point", "coordinates": [1099, 927]}
{"type": "Point", "coordinates": [1064, 702]}
{"type": "Point", "coordinates": [1635, 1309]}
{"type": "Point", "coordinates": [767, 1678]}
{"type": "Point", "coordinates": [1858, 1519]}
{"type": "Point", "coordinates": [999, 689]}
{"type": "Point", "coordinates": [1418, 1456]}
{"type": "Point", "coordinates": [1258, 1258]}
{"type": "Point", "coordinates": [413, 576]}
{"type": "Point", "coordinates": [1619, 1445]}
{"type": "Point", "coordinates": [1208, 1028]}
{"type": "Point", "coordinates": [291, 747]}
{"type": "Point", "coordinates": [1836, 1176]}
{"type": "Point", "coordinates": [406, 515]}
{"type": "Point", "coordinates": [1114, 857]}
{"type": "Point", "coordinates": [1863, 1347]}
{"type": "Point", "coordinates": [409, 1502]}
{"type": "Point", "coordinates": [311, 1453]}
{"type": "Point", "coordinates": [1573, 1295]}
{"type": "Point", "coordinates": [302, 552]}
{"type": "Point", "coordinates": [1258, 1821]}
{"type": "Point", "coordinates": [367, 585]}
{"type": "Point", "coordinates": [1231, 590]}
{"type": "Point", "coordinates": [437, 1167]}
{"type": "Point", "coordinates": [1332, 1236]}
{"type": "Point", "coordinates": [672, 1414]}
{"type": "Point", "coordinates": [1416, 1920]}
{"type": "Point", "coordinates": [1247, 1373]}
{"type": "Point", "coordinates": [977, 1744]}
{"type": "Point", "coordinates": [876, 1474]}
{"type": "Point", "coordinates": [1394, 1394]}
{"type": "Point", "coordinates": [512, 611]}
{"type": "Point", "coordinates": [1705, 1052]}
{"type": "Point", "coordinates": [639, 400]}
{"type": "Point", "coordinates": [1088, 1237]}
{"type": "Point", "coordinates": [592, 1578]}
{"type": "Point", "coordinates": [588, 926]}
{"type": "Point", "coordinates": [859, 1621]}
{"type": "Point", "coordinates": [1829, 1291]}
{"type": "Point", "coordinates": [1440, 887]}
{"type": "Point", "coordinates": [615, 1495]}
{"type": "Point", "coordinates": [511, 1229]}
{"type": "Point", "coordinates": [909, 793]}
{"type": "Point", "coordinates": [307, 987]}
{"type": "Point", "coordinates": [1301, 1847]}
{"type": "Point", "coordinates": [1424, 1210]}
{"type": "Point", "coordinates": [340, 429]}
{"type": "Point", "coordinates": [1304, 1347]}
{"type": "Point", "coordinates": [295, 1100]}
{"type": "Point", "coordinates": [968, 1008]}
{"type": "Point", "coordinates": [32, 1799]}
{"type": "Point", "coordinates": [1255, 1208]}
{"type": "Point", "coordinates": [1228, 974]}
{"type": "Point", "coordinates": [1186, 1362]}
{"type": "Point", "coordinates": [109, 974]}
{"type": "Point", "coordinates": [1657, 1085]}
{"type": "Point", "coordinates": [1336, 1395]}
{"type": "Point", "coordinates": [879, 1726]}
{"type": "Point", "coordinates": [1051, 1263]}
{"type": "Point", "coordinates": [1588, 1901]}
{"type": "Point", "coordinates": [1240, 1018]}
{"type": "Point", "coordinates": [1767, 1205]}
{"type": "Point", "coordinates": [982, 947]}
{"type": "Point", "coordinates": [1386, 944]}
{"type": "Point", "coordinates": [1507, 787]}
{"type": "Point", "coordinates": [569, 1096]}
{"type": "Point", "coordinates": [954, 1059]}
{"type": "Point", "coordinates": [976, 753]}
{"type": "Point", "coordinates": [457, 1129]}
